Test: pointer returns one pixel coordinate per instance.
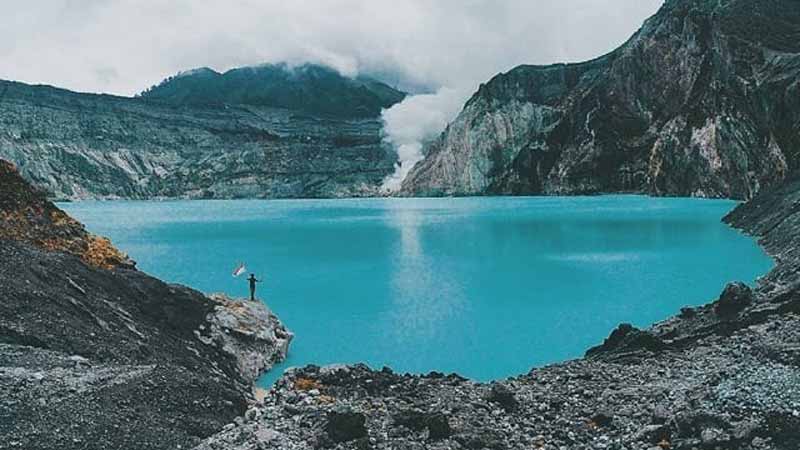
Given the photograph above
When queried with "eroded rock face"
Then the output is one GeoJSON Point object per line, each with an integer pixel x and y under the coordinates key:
{"type": "Point", "coordinates": [249, 332]}
{"type": "Point", "coordinates": [27, 216]}
{"type": "Point", "coordinates": [703, 101]}
{"type": "Point", "coordinates": [80, 146]}
{"type": "Point", "coordinates": [96, 356]}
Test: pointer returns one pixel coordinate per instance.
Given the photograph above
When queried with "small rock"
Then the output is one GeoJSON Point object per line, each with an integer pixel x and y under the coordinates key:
{"type": "Point", "coordinates": [265, 434]}
{"type": "Point", "coordinates": [710, 435]}
{"type": "Point", "coordinates": [744, 430]}
{"type": "Point", "coordinates": [252, 414]}
{"type": "Point", "coordinates": [602, 419]}
{"type": "Point", "coordinates": [660, 414]}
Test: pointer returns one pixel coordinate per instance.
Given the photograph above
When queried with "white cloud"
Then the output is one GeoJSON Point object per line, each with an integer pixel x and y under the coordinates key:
{"type": "Point", "coordinates": [122, 46]}
{"type": "Point", "coordinates": [417, 119]}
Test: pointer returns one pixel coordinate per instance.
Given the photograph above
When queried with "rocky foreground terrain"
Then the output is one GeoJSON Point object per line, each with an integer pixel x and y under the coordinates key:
{"type": "Point", "coordinates": [97, 355]}
{"type": "Point", "coordinates": [723, 376]}
{"type": "Point", "coordinates": [704, 101]}
{"type": "Point", "coordinates": [267, 133]}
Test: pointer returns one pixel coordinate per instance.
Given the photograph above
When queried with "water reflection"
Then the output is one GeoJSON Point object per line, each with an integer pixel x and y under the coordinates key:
{"type": "Point", "coordinates": [424, 297]}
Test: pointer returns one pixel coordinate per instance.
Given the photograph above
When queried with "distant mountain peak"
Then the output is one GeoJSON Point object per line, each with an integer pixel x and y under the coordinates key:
{"type": "Point", "coordinates": [309, 88]}
{"type": "Point", "coordinates": [200, 71]}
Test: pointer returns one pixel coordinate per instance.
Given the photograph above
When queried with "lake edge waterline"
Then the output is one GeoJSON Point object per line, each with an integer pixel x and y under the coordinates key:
{"type": "Point", "coordinates": [444, 208]}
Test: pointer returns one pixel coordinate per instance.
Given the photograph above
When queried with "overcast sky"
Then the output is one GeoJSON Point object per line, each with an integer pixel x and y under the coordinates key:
{"type": "Point", "coordinates": [123, 46]}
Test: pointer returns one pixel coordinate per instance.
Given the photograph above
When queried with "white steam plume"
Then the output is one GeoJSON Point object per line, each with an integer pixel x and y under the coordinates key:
{"type": "Point", "coordinates": [409, 124]}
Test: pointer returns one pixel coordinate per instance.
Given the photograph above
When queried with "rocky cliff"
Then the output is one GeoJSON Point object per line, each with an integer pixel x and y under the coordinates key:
{"type": "Point", "coordinates": [79, 146]}
{"type": "Point", "coordinates": [95, 354]}
{"type": "Point", "coordinates": [704, 100]}
{"type": "Point", "coordinates": [27, 216]}
{"type": "Point", "coordinates": [721, 376]}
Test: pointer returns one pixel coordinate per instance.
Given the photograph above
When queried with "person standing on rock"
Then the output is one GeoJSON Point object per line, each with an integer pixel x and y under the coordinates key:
{"type": "Point", "coordinates": [253, 282]}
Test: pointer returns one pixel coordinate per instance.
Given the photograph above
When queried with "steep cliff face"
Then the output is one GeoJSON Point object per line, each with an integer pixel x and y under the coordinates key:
{"type": "Point", "coordinates": [78, 146]}
{"type": "Point", "coordinates": [27, 216]}
{"type": "Point", "coordinates": [704, 100]}
{"type": "Point", "coordinates": [95, 354]}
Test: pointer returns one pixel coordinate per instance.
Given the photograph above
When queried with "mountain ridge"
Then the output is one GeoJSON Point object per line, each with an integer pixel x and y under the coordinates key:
{"type": "Point", "coordinates": [310, 88]}
{"type": "Point", "coordinates": [698, 102]}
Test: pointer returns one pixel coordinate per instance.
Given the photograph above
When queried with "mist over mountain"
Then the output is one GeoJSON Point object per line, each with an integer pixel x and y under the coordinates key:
{"type": "Point", "coordinates": [309, 88]}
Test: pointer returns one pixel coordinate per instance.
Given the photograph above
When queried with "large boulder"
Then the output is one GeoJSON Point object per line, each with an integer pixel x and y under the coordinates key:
{"type": "Point", "coordinates": [627, 338]}
{"type": "Point", "coordinates": [735, 298]}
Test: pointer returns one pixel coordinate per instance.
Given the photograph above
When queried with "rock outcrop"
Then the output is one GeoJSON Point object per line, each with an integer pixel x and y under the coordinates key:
{"type": "Point", "coordinates": [95, 354]}
{"type": "Point", "coordinates": [704, 101]}
{"type": "Point", "coordinates": [79, 146]}
{"type": "Point", "coordinates": [249, 332]}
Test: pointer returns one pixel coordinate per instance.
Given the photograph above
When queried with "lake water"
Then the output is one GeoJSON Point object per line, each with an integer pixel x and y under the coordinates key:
{"type": "Point", "coordinates": [486, 287]}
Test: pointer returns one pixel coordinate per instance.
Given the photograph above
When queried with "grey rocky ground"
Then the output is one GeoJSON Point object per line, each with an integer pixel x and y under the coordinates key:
{"type": "Point", "coordinates": [95, 354]}
{"type": "Point", "coordinates": [721, 376]}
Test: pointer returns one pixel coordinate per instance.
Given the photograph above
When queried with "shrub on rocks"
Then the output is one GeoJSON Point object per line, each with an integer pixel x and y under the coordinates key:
{"type": "Point", "coordinates": [503, 396]}
{"type": "Point", "coordinates": [345, 425]}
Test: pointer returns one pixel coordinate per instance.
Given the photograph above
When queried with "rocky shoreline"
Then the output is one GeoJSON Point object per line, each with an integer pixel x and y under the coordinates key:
{"type": "Point", "coordinates": [95, 354]}
{"type": "Point", "coordinates": [721, 376]}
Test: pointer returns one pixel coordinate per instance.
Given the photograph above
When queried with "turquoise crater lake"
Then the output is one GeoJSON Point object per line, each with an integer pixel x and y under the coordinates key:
{"type": "Point", "coordinates": [486, 287]}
